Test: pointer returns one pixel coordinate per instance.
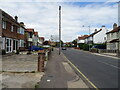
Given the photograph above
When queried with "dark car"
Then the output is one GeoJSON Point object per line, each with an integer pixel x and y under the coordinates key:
{"type": "Point", "coordinates": [99, 46]}
{"type": "Point", "coordinates": [64, 48]}
{"type": "Point", "coordinates": [34, 48]}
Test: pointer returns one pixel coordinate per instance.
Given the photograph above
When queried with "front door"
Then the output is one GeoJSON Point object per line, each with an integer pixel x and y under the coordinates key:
{"type": "Point", "coordinates": [8, 45]}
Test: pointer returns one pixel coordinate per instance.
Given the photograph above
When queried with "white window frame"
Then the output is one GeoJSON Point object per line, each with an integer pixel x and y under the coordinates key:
{"type": "Point", "coordinates": [4, 25]}
{"type": "Point", "coordinates": [12, 27]}
{"type": "Point", "coordinates": [21, 30]}
{"type": "Point", "coordinates": [9, 45]}
{"type": "Point", "coordinates": [21, 43]}
{"type": "Point", "coordinates": [18, 29]}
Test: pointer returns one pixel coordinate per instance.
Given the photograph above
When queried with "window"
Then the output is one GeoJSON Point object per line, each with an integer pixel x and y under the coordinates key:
{"type": "Point", "coordinates": [21, 43]}
{"type": "Point", "coordinates": [30, 35]}
{"type": "Point", "coordinates": [21, 31]}
{"type": "Point", "coordinates": [12, 28]}
{"type": "Point", "coordinates": [18, 30]}
{"type": "Point", "coordinates": [8, 45]}
{"type": "Point", "coordinates": [4, 25]}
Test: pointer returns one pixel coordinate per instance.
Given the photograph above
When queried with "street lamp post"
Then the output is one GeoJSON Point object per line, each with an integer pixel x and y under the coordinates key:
{"type": "Point", "coordinates": [59, 30]}
{"type": "Point", "coordinates": [89, 38]}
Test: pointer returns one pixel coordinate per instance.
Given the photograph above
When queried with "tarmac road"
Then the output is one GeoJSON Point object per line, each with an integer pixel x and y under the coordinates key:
{"type": "Point", "coordinates": [101, 71]}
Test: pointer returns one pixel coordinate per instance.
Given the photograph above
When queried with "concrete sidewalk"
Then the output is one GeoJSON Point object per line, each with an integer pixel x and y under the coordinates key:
{"type": "Point", "coordinates": [59, 74]}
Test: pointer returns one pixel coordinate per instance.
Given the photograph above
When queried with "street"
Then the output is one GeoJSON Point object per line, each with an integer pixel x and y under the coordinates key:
{"type": "Point", "coordinates": [101, 71]}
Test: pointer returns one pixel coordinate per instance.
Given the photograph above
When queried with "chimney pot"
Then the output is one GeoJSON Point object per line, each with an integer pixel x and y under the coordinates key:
{"type": "Point", "coordinates": [103, 25]}
{"type": "Point", "coordinates": [22, 24]}
{"type": "Point", "coordinates": [114, 25]}
{"type": "Point", "coordinates": [95, 30]}
{"type": "Point", "coordinates": [16, 18]}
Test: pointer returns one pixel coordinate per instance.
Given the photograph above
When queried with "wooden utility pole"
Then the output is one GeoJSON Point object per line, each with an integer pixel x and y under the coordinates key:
{"type": "Point", "coordinates": [59, 30]}
{"type": "Point", "coordinates": [118, 30]}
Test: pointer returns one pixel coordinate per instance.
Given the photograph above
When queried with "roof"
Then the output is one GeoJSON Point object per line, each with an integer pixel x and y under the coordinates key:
{"type": "Point", "coordinates": [30, 30]}
{"type": "Point", "coordinates": [36, 33]}
{"type": "Point", "coordinates": [114, 40]}
{"type": "Point", "coordinates": [82, 37]}
{"type": "Point", "coordinates": [10, 18]}
{"type": "Point", "coordinates": [94, 33]}
{"type": "Point", "coordinates": [114, 30]}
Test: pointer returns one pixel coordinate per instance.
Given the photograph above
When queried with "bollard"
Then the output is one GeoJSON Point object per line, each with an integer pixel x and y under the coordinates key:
{"type": "Point", "coordinates": [41, 59]}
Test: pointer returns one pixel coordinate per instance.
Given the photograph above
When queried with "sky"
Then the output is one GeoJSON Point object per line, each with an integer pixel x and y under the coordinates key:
{"type": "Point", "coordinates": [43, 16]}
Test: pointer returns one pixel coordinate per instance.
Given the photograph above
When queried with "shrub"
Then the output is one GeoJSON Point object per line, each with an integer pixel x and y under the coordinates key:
{"type": "Point", "coordinates": [3, 52]}
{"type": "Point", "coordinates": [94, 50]}
{"type": "Point", "coordinates": [81, 45]}
{"type": "Point", "coordinates": [17, 51]}
{"type": "Point", "coordinates": [86, 47]}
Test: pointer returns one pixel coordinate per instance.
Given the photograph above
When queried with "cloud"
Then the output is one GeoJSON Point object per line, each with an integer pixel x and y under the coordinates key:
{"type": "Point", "coordinates": [43, 17]}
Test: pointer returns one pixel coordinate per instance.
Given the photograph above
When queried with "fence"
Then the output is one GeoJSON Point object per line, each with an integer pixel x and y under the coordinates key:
{"type": "Point", "coordinates": [107, 51]}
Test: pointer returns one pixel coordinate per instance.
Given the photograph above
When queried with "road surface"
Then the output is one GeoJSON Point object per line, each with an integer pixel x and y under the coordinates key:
{"type": "Point", "coordinates": [100, 70]}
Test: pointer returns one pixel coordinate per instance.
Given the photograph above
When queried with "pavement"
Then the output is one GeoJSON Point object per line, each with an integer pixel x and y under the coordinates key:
{"type": "Point", "coordinates": [20, 71]}
{"type": "Point", "coordinates": [20, 63]}
{"type": "Point", "coordinates": [111, 55]}
{"type": "Point", "coordinates": [102, 71]}
{"type": "Point", "coordinates": [59, 74]}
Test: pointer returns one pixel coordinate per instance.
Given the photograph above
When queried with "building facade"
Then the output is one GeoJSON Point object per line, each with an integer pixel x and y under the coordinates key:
{"type": "Point", "coordinates": [113, 38]}
{"type": "Point", "coordinates": [41, 40]}
{"type": "Point", "coordinates": [36, 39]}
{"type": "Point", "coordinates": [12, 33]}
{"type": "Point", "coordinates": [81, 39]}
{"type": "Point", "coordinates": [29, 37]}
{"type": "Point", "coordinates": [97, 37]}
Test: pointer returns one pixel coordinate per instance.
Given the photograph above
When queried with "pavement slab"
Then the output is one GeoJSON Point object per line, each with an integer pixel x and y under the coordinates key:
{"type": "Point", "coordinates": [59, 74]}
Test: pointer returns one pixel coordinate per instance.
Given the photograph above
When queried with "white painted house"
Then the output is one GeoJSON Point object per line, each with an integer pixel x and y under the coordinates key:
{"type": "Point", "coordinates": [81, 39]}
{"type": "Point", "coordinates": [98, 36]}
{"type": "Point", "coordinates": [113, 38]}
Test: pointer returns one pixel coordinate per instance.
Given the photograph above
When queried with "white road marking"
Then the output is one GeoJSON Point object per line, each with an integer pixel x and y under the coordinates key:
{"type": "Point", "coordinates": [109, 64]}
{"type": "Point", "coordinates": [48, 80]}
{"type": "Point", "coordinates": [105, 56]}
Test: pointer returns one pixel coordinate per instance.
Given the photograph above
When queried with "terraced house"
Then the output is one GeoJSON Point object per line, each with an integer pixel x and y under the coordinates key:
{"type": "Point", "coordinates": [113, 38]}
{"type": "Point", "coordinates": [12, 32]}
{"type": "Point", "coordinates": [29, 37]}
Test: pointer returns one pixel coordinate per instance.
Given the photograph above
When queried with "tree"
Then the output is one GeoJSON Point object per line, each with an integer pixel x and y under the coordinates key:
{"type": "Point", "coordinates": [74, 42]}
{"type": "Point", "coordinates": [58, 43]}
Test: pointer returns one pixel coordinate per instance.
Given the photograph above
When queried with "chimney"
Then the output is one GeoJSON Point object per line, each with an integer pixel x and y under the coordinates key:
{"type": "Point", "coordinates": [103, 25]}
{"type": "Point", "coordinates": [95, 30]}
{"type": "Point", "coordinates": [114, 25]}
{"type": "Point", "coordinates": [22, 24]}
{"type": "Point", "coordinates": [16, 18]}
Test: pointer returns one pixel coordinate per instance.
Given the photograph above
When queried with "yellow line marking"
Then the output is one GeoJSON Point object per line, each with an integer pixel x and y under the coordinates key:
{"type": "Point", "coordinates": [81, 73]}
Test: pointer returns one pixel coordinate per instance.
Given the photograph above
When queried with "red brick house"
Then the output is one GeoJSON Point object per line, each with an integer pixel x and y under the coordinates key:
{"type": "Point", "coordinates": [12, 32]}
{"type": "Point", "coordinates": [29, 35]}
{"type": "Point", "coordinates": [41, 40]}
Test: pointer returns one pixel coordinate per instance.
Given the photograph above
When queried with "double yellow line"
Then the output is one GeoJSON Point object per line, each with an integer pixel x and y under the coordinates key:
{"type": "Point", "coordinates": [81, 73]}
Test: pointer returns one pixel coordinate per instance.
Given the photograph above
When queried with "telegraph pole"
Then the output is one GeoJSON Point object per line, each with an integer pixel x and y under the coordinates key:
{"type": "Point", "coordinates": [89, 40]}
{"type": "Point", "coordinates": [59, 30]}
{"type": "Point", "coordinates": [118, 53]}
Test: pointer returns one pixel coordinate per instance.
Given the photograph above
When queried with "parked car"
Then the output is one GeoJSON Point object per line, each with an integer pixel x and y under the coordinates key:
{"type": "Point", "coordinates": [99, 47]}
{"type": "Point", "coordinates": [34, 48]}
{"type": "Point", "coordinates": [64, 48]}
{"type": "Point", "coordinates": [96, 48]}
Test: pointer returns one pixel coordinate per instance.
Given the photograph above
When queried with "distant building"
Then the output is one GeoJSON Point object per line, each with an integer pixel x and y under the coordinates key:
{"type": "Point", "coordinates": [29, 37]}
{"type": "Point", "coordinates": [113, 38]}
{"type": "Point", "coordinates": [97, 36]}
{"type": "Point", "coordinates": [12, 32]}
{"type": "Point", "coordinates": [41, 40]}
{"type": "Point", "coordinates": [81, 39]}
{"type": "Point", "coordinates": [36, 39]}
